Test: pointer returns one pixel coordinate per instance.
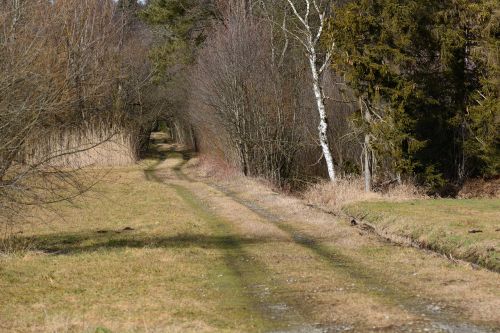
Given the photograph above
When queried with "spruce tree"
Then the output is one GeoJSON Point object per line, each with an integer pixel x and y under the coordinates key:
{"type": "Point", "coordinates": [181, 26]}
{"type": "Point", "coordinates": [414, 66]}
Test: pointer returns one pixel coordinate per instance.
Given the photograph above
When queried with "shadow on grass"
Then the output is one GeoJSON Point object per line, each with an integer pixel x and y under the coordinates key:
{"type": "Point", "coordinates": [92, 241]}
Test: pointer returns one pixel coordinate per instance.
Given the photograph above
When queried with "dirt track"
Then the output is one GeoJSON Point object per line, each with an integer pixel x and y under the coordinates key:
{"type": "Point", "coordinates": [304, 271]}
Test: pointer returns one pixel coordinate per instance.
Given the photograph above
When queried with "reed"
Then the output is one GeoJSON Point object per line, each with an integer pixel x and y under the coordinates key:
{"type": "Point", "coordinates": [98, 145]}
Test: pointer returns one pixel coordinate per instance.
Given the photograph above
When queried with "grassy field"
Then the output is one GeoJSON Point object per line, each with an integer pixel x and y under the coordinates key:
{"type": "Point", "coordinates": [132, 257]}
{"type": "Point", "coordinates": [467, 229]}
{"type": "Point", "coordinates": [151, 250]}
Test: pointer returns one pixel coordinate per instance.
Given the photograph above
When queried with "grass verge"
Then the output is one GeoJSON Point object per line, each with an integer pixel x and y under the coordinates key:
{"type": "Point", "coordinates": [462, 229]}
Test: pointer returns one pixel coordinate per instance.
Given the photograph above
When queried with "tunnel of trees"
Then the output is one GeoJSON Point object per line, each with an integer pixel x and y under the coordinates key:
{"type": "Point", "coordinates": [289, 90]}
{"type": "Point", "coordinates": [410, 88]}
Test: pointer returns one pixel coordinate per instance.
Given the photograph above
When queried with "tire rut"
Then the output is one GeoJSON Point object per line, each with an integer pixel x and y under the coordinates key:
{"type": "Point", "coordinates": [265, 297]}
{"type": "Point", "coordinates": [434, 320]}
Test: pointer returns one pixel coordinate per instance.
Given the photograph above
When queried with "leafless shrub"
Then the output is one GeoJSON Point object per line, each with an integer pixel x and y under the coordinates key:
{"type": "Point", "coordinates": [250, 101]}
{"type": "Point", "coordinates": [244, 107]}
{"type": "Point", "coordinates": [66, 97]}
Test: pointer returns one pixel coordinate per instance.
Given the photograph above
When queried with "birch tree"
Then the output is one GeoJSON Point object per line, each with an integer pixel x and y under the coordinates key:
{"type": "Point", "coordinates": [312, 16]}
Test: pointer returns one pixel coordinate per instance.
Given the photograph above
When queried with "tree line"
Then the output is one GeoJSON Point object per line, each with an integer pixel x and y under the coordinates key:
{"type": "Point", "coordinates": [290, 90]}
{"type": "Point", "coordinates": [73, 76]}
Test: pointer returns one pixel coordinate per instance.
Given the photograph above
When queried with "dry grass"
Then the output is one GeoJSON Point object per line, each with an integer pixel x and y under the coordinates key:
{"type": "Point", "coordinates": [334, 196]}
{"type": "Point", "coordinates": [13, 245]}
{"type": "Point", "coordinates": [92, 146]}
{"type": "Point", "coordinates": [347, 291]}
{"type": "Point", "coordinates": [481, 188]}
{"type": "Point", "coordinates": [86, 271]}
{"type": "Point", "coordinates": [184, 269]}
{"type": "Point", "coordinates": [301, 280]}
{"type": "Point", "coordinates": [460, 228]}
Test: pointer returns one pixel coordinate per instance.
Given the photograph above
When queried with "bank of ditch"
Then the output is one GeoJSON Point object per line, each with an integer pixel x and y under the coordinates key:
{"type": "Point", "coordinates": [460, 229]}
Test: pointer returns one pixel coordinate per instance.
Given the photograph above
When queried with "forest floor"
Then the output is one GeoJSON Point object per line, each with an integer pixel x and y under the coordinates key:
{"type": "Point", "coordinates": [159, 247]}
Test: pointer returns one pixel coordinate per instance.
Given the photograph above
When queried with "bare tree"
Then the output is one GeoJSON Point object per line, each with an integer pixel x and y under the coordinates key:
{"type": "Point", "coordinates": [308, 30]}
{"type": "Point", "coordinates": [242, 101]}
{"type": "Point", "coordinates": [62, 72]}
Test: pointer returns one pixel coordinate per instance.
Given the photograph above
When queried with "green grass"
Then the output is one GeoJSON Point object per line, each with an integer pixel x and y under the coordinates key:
{"type": "Point", "coordinates": [87, 274]}
{"type": "Point", "coordinates": [442, 225]}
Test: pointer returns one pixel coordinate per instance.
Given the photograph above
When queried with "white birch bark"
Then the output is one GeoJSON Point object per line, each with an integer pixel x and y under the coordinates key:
{"type": "Point", "coordinates": [323, 120]}
{"type": "Point", "coordinates": [310, 38]}
{"type": "Point", "coordinates": [365, 112]}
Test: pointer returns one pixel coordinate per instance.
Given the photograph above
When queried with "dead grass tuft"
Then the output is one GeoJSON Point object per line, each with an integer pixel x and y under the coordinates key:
{"type": "Point", "coordinates": [480, 188]}
{"type": "Point", "coordinates": [336, 195]}
{"type": "Point", "coordinates": [13, 245]}
{"type": "Point", "coordinates": [403, 192]}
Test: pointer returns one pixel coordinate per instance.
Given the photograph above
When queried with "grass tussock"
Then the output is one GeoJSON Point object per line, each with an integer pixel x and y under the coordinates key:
{"type": "Point", "coordinates": [91, 146]}
{"type": "Point", "coordinates": [335, 195]}
{"type": "Point", "coordinates": [13, 245]}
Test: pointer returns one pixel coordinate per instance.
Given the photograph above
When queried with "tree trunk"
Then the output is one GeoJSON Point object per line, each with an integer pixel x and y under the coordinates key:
{"type": "Point", "coordinates": [366, 150]}
{"type": "Point", "coordinates": [368, 174]}
{"type": "Point", "coordinates": [323, 120]}
{"type": "Point", "coordinates": [194, 139]}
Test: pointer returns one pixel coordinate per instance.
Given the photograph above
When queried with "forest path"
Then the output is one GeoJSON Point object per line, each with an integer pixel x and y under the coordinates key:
{"type": "Point", "coordinates": [304, 271]}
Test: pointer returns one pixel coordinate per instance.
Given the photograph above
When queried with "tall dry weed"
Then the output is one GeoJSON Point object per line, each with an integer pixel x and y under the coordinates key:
{"type": "Point", "coordinates": [11, 243]}
{"type": "Point", "coordinates": [91, 146]}
{"type": "Point", "coordinates": [335, 195]}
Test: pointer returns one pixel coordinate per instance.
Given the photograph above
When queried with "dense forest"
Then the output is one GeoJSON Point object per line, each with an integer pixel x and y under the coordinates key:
{"type": "Point", "coordinates": [389, 90]}
{"type": "Point", "coordinates": [292, 91]}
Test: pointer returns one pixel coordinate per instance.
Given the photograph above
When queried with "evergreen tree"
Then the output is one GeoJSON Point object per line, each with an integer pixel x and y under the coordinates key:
{"type": "Point", "coordinates": [412, 64]}
{"type": "Point", "coordinates": [482, 146]}
{"type": "Point", "coordinates": [181, 26]}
